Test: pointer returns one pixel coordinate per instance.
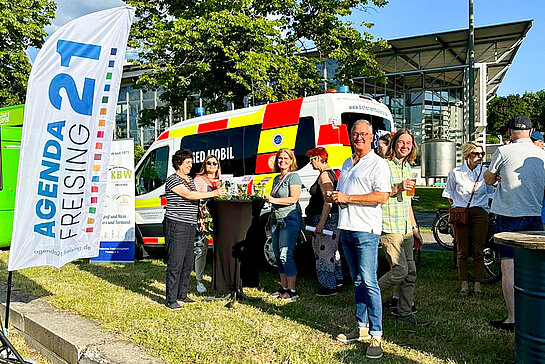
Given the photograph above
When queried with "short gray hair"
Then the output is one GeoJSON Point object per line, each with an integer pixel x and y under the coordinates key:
{"type": "Point", "coordinates": [362, 121]}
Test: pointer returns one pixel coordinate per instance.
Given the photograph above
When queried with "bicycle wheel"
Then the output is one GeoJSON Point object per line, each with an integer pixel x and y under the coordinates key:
{"type": "Point", "coordinates": [442, 232]}
{"type": "Point", "coordinates": [492, 265]}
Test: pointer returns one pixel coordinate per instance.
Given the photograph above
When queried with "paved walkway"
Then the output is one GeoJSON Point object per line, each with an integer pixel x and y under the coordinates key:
{"type": "Point", "coordinates": [63, 337]}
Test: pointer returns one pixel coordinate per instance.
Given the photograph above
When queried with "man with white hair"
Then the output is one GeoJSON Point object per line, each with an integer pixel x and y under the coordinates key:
{"type": "Point", "coordinates": [364, 185]}
{"type": "Point", "coordinates": [519, 170]}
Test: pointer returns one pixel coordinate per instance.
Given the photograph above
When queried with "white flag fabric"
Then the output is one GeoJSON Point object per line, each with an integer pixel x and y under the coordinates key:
{"type": "Point", "coordinates": [65, 147]}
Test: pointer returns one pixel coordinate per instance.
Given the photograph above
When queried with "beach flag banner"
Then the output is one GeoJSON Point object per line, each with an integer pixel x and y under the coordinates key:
{"type": "Point", "coordinates": [67, 133]}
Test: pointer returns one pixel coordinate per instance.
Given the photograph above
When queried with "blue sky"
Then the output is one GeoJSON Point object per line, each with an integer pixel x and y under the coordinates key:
{"type": "Point", "coordinates": [403, 18]}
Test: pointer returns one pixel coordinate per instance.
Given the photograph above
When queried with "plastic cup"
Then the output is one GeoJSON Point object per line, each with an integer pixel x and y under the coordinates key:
{"type": "Point", "coordinates": [410, 193]}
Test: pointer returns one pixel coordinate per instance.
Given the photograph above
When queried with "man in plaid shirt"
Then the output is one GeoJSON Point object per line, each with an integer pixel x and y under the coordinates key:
{"type": "Point", "coordinates": [399, 228]}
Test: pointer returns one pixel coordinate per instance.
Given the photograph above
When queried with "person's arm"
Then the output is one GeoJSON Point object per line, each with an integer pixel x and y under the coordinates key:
{"type": "Point", "coordinates": [325, 185]}
{"type": "Point", "coordinates": [490, 178]}
{"type": "Point", "coordinates": [295, 192]}
{"type": "Point", "coordinates": [197, 195]}
{"type": "Point", "coordinates": [372, 198]}
{"type": "Point", "coordinates": [450, 188]}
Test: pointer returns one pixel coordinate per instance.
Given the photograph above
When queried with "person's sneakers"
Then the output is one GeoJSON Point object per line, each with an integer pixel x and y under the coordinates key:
{"type": "Point", "coordinates": [201, 288]}
{"type": "Point", "coordinates": [326, 292]}
{"type": "Point", "coordinates": [413, 320]}
{"type": "Point", "coordinates": [502, 325]}
{"type": "Point", "coordinates": [360, 333]}
{"type": "Point", "coordinates": [187, 300]}
{"type": "Point", "coordinates": [174, 305]}
{"type": "Point", "coordinates": [289, 295]}
{"type": "Point", "coordinates": [396, 313]}
{"type": "Point", "coordinates": [374, 350]}
{"type": "Point", "coordinates": [278, 293]}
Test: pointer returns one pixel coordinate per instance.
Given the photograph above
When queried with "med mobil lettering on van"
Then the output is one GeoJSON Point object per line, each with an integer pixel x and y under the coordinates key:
{"type": "Point", "coordinates": [221, 153]}
{"type": "Point", "coordinates": [75, 147]}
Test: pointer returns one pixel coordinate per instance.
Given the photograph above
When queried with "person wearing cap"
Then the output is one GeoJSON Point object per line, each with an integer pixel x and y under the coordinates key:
{"type": "Point", "coordinates": [518, 169]}
{"type": "Point", "coordinates": [537, 138]}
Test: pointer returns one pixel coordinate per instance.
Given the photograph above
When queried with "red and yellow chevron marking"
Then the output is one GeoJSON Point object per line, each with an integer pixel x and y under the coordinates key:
{"type": "Point", "coordinates": [328, 135]}
{"type": "Point", "coordinates": [150, 202]}
{"type": "Point", "coordinates": [337, 154]}
{"type": "Point", "coordinates": [154, 240]}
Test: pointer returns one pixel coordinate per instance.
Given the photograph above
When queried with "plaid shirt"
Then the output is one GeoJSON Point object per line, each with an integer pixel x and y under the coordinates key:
{"type": "Point", "coordinates": [395, 213]}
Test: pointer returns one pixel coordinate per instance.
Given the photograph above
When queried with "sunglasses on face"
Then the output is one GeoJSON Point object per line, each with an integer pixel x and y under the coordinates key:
{"type": "Point", "coordinates": [211, 163]}
{"type": "Point", "coordinates": [311, 158]}
{"type": "Point", "coordinates": [482, 154]}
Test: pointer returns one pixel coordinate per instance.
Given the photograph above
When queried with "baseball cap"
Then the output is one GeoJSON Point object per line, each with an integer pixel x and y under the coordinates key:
{"type": "Point", "coordinates": [520, 122]}
{"type": "Point", "coordinates": [536, 135]}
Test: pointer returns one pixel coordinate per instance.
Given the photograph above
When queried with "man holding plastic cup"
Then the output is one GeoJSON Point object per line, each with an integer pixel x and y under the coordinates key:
{"type": "Point", "coordinates": [399, 228]}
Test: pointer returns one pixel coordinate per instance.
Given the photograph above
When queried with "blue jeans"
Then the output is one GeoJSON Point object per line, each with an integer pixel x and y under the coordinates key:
{"type": "Point", "coordinates": [361, 250]}
{"type": "Point", "coordinates": [508, 223]}
{"type": "Point", "coordinates": [284, 237]}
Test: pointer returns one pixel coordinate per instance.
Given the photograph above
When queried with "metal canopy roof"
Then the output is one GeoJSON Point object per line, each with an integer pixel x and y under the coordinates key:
{"type": "Point", "coordinates": [439, 60]}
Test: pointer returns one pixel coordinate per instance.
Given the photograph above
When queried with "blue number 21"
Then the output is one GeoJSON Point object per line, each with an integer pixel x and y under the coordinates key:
{"type": "Point", "coordinates": [84, 104]}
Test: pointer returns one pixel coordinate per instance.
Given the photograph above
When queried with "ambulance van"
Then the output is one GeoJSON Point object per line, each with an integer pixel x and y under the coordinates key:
{"type": "Point", "coordinates": [246, 141]}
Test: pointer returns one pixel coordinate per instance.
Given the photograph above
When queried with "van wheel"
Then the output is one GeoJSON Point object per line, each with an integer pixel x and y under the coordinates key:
{"type": "Point", "coordinates": [269, 260]}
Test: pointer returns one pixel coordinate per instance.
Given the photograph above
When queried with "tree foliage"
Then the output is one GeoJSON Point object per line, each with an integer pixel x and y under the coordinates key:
{"type": "Point", "coordinates": [227, 50]}
{"type": "Point", "coordinates": [504, 108]}
{"type": "Point", "coordinates": [22, 25]}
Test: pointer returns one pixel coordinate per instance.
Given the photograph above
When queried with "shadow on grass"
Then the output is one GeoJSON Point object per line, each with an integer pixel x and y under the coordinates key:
{"type": "Point", "coordinates": [140, 277]}
{"type": "Point", "coordinates": [24, 290]}
{"type": "Point", "coordinates": [458, 329]}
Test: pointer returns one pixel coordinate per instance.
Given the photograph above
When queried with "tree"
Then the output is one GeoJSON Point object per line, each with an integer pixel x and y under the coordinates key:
{"type": "Point", "coordinates": [504, 108]}
{"type": "Point", "coordinates": [22, 25]}
{"type": "Point", "coordinates": [225, 51]}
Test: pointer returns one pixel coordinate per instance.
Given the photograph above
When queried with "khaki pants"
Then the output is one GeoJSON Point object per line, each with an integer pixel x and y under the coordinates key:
{"type": "Point", "coordinates": [398, 249]}
{"type": "Point", "coordinates": [478, 226]}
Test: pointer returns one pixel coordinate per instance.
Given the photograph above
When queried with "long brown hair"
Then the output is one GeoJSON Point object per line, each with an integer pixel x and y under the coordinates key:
{"type": "Point", "coordinates": [391, 153]}
{"type": "Point", "coordinates": [202, 172]}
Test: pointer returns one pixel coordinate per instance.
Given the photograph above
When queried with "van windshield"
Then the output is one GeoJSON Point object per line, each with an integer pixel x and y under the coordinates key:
{"type": "Point", "coordinates": [378, 122]}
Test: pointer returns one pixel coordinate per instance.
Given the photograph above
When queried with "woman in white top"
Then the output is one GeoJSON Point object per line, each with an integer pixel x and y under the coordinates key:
{"type": "Point", "coordinates": [470, 237]}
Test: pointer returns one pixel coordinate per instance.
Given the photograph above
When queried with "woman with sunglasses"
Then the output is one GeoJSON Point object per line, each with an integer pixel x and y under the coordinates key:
{"type": "Point", "coordinates": [324, 215]}
{"type": "Point", "coordinates": [461, 183]}
{"type": "Point", "coordinates": [286, 218]}
{"type": "Point", "coordinates": [207, 180]}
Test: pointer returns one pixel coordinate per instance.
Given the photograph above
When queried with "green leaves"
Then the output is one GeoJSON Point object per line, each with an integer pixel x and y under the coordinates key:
{"type": "Point", "coordinates": [502, 109]}
{"type": "Point", "coordinates": [228, 51]}
{"type": "Point", "coordinates": [22, 25]}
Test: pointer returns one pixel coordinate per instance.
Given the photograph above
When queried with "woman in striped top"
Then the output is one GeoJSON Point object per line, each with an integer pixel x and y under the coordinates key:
{"type": "Point", "coordinates": [180, 225]}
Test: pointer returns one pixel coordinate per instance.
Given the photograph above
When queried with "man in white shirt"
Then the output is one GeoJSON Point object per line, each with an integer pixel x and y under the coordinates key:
{"type": "Point", "coordinates": [519, 168]}
{"type": "Point", "coordinates": [364, 185]}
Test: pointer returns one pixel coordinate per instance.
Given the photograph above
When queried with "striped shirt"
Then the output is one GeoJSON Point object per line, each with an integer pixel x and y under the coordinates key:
{"type": "Point", "coordinates": [395, 213]}
{"type": "Point", "coordinates": [179, 208]}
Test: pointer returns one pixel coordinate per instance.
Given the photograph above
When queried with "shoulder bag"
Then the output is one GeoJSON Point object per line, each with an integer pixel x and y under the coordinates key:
{"type": "Point", "coordinates": [460, 215]}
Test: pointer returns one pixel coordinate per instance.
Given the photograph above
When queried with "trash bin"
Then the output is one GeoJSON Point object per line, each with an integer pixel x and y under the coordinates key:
{"type": "Point", "coordinates": [529, 293]}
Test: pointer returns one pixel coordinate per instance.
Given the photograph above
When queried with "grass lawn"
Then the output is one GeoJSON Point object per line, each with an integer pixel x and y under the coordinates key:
{"type": "Point", "coordinates": [430, 199]}
{"type": "Point", "coordinates": [128, 300]}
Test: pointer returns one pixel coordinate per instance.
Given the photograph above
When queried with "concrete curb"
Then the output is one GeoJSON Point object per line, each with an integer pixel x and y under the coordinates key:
{"type": "Point", "coordinates": [63, 337]}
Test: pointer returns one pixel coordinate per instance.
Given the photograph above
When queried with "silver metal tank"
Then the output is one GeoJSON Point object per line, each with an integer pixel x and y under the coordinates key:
{"type": "Point", "coordinates": [438, 157]}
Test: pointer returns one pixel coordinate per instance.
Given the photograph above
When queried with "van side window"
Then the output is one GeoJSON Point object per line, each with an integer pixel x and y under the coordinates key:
{"type": "Point", "coordinates": [379, 123]}
{"type": "Point", "coordinates": [305, 140]}
{"type": "Point", "coordinates": [227, 145]}
{"type": "Point", "coordinates": [152, 172]}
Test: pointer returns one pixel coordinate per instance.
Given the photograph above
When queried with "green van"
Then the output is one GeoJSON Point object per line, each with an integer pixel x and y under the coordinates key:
{"type": "Point", "coordinates": [11, 121]}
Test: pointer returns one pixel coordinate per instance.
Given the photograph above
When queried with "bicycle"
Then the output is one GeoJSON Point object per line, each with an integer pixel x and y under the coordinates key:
{"type": "Point", "coordinates": [444, 236]}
